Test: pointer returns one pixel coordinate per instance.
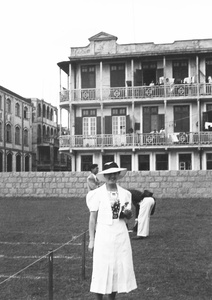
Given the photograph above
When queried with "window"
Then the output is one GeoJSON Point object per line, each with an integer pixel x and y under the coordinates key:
{"type": "Point", "coordinates": [8, 106]}
{"type": "Point", "coordinates": [26, 138]}
{"type": "Point", "coordinates": [151, 119]}
{"type": "Point", "coordinates": [0, 102]}
{"type": "Point", "coordinates": [119, 125]}
{"type": "Point", "coordinates": [18, 163]}
{"type": "Point", "coordinates": [88, 77]}
{"type": "Point", "coordinates": [185, 162]}
{"type": "Point", "coordinates": [209, 161]}
{"type": "Point", "coordinates": [125, 162]}
{"type": "Point", "coordinates": [118, 111]}
{"type": "Point", "coordinates": [17, 109]}
{"type": "Point", "coordinates": [117, 75]}
{"type": "Point", "coordinates": [9, 162]}
{"type": "Point", "coordinates": [25, 112]}
{"type": "Point", "coordinates": [86, 162]}
{"type": "Point", "coordinates": [8, 134]}
{"type": "Point", "coordinates": [149, 72]}
{"type": "Point", "coordinates": [47, 114]}
{"type": "Point", "coordinates": [208, 68]}
{"type": "Point", "coordinates": [89, 121]}
{"type": "Point", "coordinates": [26, 163]}
{"type": "Point", "coordinates": [143, 162]}
{"type": "Point", "coordinates": [17, 135]}
{"type": "Point", "coordinates": [181, 118]}
{"type": "Point", "coordinates": [39, 110]}
{"type": "Point", "coordinates": [180, 70]}
{"type": "Point", "coordinates": [162, 162]}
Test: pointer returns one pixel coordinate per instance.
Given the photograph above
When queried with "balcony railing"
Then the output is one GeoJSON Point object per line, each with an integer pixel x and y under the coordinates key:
{"type": "Point", "coordinates": [134, 140]}
{"type": "Point", "coordinates": [138, 92]}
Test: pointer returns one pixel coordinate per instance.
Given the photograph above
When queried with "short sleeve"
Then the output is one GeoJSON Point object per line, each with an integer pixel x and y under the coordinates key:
{"type": "Point", "coordinates": [92, 200]}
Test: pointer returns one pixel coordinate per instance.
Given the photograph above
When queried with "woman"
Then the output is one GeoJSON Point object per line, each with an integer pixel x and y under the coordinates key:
{"type": "Point", "coordinates": [109, 205]}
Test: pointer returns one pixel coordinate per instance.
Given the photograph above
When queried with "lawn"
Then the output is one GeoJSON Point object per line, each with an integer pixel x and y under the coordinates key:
{"type": "Point", "coordinates": [174, 263]}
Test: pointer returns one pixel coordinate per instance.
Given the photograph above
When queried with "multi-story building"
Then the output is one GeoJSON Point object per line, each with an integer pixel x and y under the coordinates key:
{"type": "Point", "coordinates": [29, 135]}
{"type": "Point", "coordinates": [147, 106]}
{"type": "Point", "coordinates": [15, 132]}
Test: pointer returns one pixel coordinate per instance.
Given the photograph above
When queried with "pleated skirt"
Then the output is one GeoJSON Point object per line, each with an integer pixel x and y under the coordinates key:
{"type": "Point", "coordinates": [112, 259]}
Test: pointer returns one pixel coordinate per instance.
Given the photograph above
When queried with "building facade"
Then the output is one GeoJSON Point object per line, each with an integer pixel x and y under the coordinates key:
{"type": "Point", "coordinates": [15, 132]}
{"type": "Point", "coordinates": [147, 106]}
{"type": "Point", "coordinates": [29, 135]}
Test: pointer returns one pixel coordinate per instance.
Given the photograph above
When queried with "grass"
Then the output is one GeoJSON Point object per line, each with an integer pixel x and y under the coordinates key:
{"type": "Point", "coordinates": [174, 263]}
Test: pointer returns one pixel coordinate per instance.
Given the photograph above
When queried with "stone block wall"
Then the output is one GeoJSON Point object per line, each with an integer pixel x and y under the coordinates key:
{"type": "Point", "coordinates": [164, 184]}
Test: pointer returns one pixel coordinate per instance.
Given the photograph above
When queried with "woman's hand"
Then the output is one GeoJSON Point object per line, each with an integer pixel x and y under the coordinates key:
{"type": "Point", "coordinates": [91, 245]}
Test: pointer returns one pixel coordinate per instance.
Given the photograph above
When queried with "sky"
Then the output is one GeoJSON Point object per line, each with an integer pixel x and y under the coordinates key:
{"type": "Point", "coordinates": [37, 34]}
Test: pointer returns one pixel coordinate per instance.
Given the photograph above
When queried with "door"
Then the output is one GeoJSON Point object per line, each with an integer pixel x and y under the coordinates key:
{"type": "Point", "coordinates": [89, 131]}
{"type": "Point", "coordinates": [119, 130]}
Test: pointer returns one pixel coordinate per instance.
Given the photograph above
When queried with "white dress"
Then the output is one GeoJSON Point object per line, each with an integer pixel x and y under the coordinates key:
{"type": "Point", "coordinates": [112, 257]}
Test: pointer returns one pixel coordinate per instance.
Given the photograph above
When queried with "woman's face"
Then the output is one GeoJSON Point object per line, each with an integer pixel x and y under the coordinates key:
{"type": "Point", "coordinates": [112, 177]}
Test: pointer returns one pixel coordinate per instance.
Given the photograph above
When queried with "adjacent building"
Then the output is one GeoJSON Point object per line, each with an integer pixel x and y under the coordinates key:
{"type": "Point", "coordinates": [15, 132]}
{"type": "Point", "coordinates": [29, 135]}
{"type": "Point", "coordinates": [147, 106]}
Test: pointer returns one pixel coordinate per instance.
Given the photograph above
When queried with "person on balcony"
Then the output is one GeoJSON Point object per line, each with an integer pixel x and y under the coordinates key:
{"type": "Point", "coordinates": [110, 206]}
{"type": "Point", "coordinates": [92, 181]}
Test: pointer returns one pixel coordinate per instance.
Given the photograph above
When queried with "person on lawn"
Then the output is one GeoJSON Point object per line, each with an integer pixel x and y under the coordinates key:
{"type": "Point", "coordinates": [109, 240]}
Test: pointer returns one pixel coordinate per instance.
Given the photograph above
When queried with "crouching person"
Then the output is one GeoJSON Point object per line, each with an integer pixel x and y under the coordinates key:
{"type": "Point", "coordinates": [145, 207]}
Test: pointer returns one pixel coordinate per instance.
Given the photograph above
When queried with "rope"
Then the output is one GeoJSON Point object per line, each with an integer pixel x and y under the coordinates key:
{"type": "Point", "coordinates": [53, 251]}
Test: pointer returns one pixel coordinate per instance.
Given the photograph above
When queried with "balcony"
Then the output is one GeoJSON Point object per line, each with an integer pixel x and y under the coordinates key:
{"type": "Point", "coordinates": [138, 92]}
{"type": "Point", "coordinates": [135, 141]}
{"type": "Point", "coordinates": [47, 141]}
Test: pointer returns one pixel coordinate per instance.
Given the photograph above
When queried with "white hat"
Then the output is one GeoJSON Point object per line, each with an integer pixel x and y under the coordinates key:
{"type": "Point", "coordinates": [111, 167]}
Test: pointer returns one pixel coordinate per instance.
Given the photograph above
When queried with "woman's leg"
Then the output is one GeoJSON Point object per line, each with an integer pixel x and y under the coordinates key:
{"type": "Point", "coordinates": [99, 296]}
{"type": "Point", "coordinates": [112, 296]}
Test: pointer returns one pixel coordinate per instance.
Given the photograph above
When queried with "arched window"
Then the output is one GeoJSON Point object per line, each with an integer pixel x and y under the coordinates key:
{"type": "Point", "coordinates": [17, 135]}
{"type": "Point", "coordinates": [8, 106]}
{"type": "Point", "coordinates": [9, 162]}
{"type": "Point", "coordinates": [18, 163]}
{"type": "Point", "coordinates": [27, 163]}
{"type": "Point", "coordinates": [8, 134]}
{"type": "Point", "coordinates": [51, 115]}
{"type": "Point", "coordinates": [17, 109]}
{"type": "Point", "coordinates": [48, 132]}
{"type": "Point", "coordinates": [44, 131]}
{"type": "Point", "coordinates": [25, 112]}
{"type": "Point", "coordinates": [26, 137]}
{"type": "Point", "coordinates": [39, 110]}
{"type": "Point", "coordinates": [47, 115]}
{"type": "Point", "coordinates": [44, 110]}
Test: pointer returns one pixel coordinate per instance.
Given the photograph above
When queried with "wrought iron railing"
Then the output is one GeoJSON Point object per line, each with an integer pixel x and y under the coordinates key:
{"type": "Point", "coordinates": [135, 140]}
{"type": "Point", "coordinates": [138, 92]}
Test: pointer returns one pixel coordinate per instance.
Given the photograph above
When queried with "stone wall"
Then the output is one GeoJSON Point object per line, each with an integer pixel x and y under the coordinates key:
{"type": "Point", "coordinates": [164, 184]}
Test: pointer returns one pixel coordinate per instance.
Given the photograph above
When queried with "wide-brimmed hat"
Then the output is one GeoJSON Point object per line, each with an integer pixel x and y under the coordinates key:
{"type": "Point", "coordinates": [111, 167]}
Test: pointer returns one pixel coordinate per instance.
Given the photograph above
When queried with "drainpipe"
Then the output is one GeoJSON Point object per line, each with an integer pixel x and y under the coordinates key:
{"type": "Point", "coordinates": [199, 113]}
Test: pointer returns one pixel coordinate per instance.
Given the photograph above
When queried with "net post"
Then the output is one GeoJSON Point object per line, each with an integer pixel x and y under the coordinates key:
{"type": "Point", "coordinates": [50, 260]}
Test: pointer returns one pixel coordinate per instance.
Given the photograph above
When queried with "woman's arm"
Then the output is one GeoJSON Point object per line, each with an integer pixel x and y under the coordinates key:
{"type": "Point", "coordinates": [92, 226]}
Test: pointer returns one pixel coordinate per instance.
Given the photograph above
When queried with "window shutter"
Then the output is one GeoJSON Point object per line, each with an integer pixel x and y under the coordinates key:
{"type": "Point", "coordinates": [146, 123]}
{"type": "Point", "coordinates": [161, 121]}
{"type": "Point", "coordinates": [128, 123]}
{"type": "Point", "coordinates": [98, 125]}
{"type": "Point", "coordinates": [78, 126]}
{"type": "Point", "coordinates": [108, 125]}
{"type": "Point", "coordinates": [204, 119]}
